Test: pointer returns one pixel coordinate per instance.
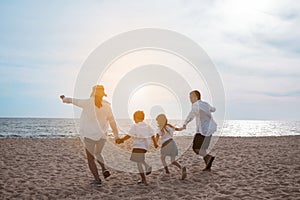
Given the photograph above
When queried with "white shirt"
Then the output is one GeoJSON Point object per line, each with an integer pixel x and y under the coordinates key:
{"type": "Point", "coordinates": [204, 120]}
{"type": "Point", "coordinates": [166, 135]}
{"type": "Point", "coordinates": [93, 120]}
{"type": "Point", "coordinates": [141, 133]}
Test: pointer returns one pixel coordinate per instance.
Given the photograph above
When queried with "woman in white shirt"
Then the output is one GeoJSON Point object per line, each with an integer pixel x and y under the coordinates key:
{"type": "Point", "coordinates": [95, 117]}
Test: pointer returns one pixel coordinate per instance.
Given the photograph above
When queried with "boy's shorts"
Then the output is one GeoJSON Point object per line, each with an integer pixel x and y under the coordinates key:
{"type": "Point", "coordinates": [201, 141]}
{"type": "Point", "coordinates": [138, 155]}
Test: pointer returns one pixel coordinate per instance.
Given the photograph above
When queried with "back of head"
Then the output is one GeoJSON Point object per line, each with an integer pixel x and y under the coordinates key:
{"type": "Point", "coordinates": [162, 121]}
{"type": "Point", "coordinates": [196, 93]}
{"type": "Point", "coordinates": [139, 116]}
{"type": "Point", "coordinates": [98, 94]}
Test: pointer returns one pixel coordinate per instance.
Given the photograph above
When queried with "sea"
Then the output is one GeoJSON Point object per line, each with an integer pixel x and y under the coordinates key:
{"type": "Point", "coordinates": [68, 128]}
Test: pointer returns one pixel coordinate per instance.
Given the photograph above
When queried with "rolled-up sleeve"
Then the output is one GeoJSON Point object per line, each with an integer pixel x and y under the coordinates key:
{"type": "Point", "coordinates": [212, 109]}
{"type": "Point", "coordinates": [67, 100]}
{"type": "Point", "coordinates": [76, 102]}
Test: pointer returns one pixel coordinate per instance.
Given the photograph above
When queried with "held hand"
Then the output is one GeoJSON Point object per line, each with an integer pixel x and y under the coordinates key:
{"type": "Point", "coordinates": [119, 141]}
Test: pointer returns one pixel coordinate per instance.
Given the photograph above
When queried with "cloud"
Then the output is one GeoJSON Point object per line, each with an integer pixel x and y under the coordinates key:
{"type": "Point", "coordinates": [286, 94]}
{"type": "Point", "coordinates": [255, 44]}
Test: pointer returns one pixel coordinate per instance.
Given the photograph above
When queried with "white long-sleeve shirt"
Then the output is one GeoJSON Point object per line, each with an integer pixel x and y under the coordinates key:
{"type": "Point", "coordinates": [204, 120]}
{"type": "Point", "coordinates": [94, 121]}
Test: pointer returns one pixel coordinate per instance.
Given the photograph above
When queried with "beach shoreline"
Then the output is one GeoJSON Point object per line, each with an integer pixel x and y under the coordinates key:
{"type": "Point", "coordinates": [245, 168]}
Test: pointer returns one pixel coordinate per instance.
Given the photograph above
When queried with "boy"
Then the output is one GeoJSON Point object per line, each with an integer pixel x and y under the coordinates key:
{"type": "Point", "coordinates": [141, 133]}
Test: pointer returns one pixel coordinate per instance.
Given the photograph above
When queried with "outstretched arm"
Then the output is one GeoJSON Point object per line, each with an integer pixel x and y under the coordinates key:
{"type": "Point", "coordinates": [179, 129]}
{"type": "Point", "coordinates": [65, 99]}
{"type": "Point", "coordinates": [189, 118]}
{"type": "Point", "coordinates": [77, 102]}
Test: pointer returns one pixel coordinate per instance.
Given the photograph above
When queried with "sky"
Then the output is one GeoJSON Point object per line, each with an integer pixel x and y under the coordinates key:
{"type": "Point", "coordinates": [254, 45]}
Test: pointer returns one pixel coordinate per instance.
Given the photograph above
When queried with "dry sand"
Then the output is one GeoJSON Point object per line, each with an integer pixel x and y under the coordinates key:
{"type": "Point", "coordinates": [244, 168]}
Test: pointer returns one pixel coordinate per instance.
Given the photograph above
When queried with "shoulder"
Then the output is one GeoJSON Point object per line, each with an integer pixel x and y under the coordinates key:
{"type": "Point", "coordinates": [196, 104]}
{"type": "Point", "coordinates": [104, 102]}
{"type": "Point", "coordinates": [204, 103]}
{"type": "Point", "coordinates": [170, 127]}
{"type": "Point", "coordinates": [132, 129]}
{"type": "Point", "coordinates": [133, 126]}
{"type": "Point", "coordinates": [106, 106]}
{"type": "Point", "coordinates": [211, 108]}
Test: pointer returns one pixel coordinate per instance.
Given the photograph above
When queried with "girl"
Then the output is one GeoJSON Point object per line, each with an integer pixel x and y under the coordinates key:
{"type": "Point", "coordinates": [168, 147]}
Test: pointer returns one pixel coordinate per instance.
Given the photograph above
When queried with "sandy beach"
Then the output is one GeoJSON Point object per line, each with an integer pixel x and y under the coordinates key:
{"type": "Point", "coordinates": [244, 168]}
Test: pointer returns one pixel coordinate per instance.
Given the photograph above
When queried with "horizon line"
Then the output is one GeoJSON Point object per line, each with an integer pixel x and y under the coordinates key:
{"type": "Point", "coordinates": [36, 117]}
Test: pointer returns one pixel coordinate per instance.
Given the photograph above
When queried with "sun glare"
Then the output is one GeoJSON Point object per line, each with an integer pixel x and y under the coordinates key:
{"type": "Point", "coordinates": [155, 99]}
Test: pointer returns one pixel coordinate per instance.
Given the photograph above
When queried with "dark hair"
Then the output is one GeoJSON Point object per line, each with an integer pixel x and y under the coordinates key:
{"type": "Point", "coordinates": [139, 115]}
{"type": "Point", "coordinates": [197, 93]}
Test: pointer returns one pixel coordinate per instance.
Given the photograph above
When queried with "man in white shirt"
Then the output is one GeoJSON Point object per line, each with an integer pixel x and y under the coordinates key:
{"type": "Point", "coordinates": [94, 120]}
{"type": "Point", "coordinates": [205, 126]}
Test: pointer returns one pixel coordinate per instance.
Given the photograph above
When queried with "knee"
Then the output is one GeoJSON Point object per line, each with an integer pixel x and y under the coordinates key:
{"type": "Point", "coordinates": [202, 153]}
{"type": "Point", "coordinates": [99, 157]}
{"type": "Point", "coordinates": [139, 165]}
{"type": "Point", "coordinates": [89, 156]}
{"type": "Point", "coordinates": [196, 151]}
